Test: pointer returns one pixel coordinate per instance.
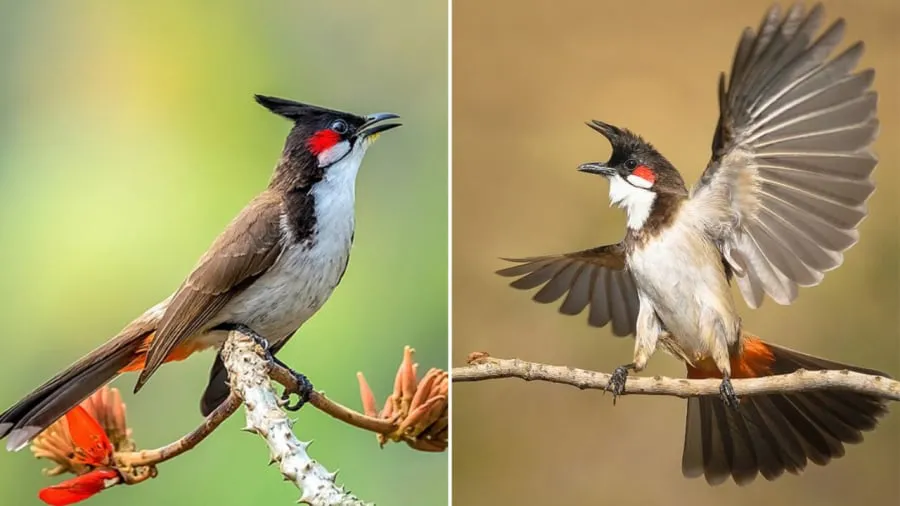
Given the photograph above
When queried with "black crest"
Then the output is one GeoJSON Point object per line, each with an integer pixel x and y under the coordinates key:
{"type": "Point", "coordinates": [629, 145]}
{"type": "Point", "coordinates": [625, 143]}
{"type": "Point", "coordinates": [312, 117]}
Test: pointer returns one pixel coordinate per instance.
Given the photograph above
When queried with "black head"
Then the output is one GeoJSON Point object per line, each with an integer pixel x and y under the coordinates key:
{"type": "Point", "coordinates": [635, 161]}
{"type": "Point", "coordinates": [323, 137]}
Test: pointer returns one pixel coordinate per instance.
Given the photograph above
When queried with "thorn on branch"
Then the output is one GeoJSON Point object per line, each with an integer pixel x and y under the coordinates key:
{"type": "Point", "coordinates": [94, 442]}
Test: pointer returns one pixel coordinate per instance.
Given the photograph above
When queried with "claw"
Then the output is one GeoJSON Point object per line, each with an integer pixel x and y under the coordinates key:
{"type": "Point", "coordinates": [616, 383]}
{"type": "Point", "coordinates": [726, 392]}
{"type": "Point", "coordinates": [304, 390]}
{"type": "Point", "coordinates": [252, 334]}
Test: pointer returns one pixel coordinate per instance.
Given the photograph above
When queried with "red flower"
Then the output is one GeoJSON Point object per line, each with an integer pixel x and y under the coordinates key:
{"type": "Point", "coordinates": [93, 450]}
{"type": "Point", "coordinates": [92, 446]}
{"type": "Point", "coordinates": [79, 488]}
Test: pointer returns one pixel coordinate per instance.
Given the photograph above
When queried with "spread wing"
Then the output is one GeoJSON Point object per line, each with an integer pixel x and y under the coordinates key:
{"type": "Point", "coordinates": [245, 250]}
{"type": "Point", "coordinates": [596, 277]}
{"type": "Point", "coordinates": [790, 173]}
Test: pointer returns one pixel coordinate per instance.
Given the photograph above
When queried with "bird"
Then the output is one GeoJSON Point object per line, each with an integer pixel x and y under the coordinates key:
{"type": "Point", "coordinates": [271, 269]}
{"type": "Point", "coordinates": [777, 206]}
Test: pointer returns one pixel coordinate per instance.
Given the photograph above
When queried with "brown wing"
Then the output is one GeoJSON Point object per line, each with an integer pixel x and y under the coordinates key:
{"type": "Point", "coordinates": [791, 168]}
{"type": "Point", "coordinates": [245, 250]}
{"type": "Point", "coordinates": [596, 277]}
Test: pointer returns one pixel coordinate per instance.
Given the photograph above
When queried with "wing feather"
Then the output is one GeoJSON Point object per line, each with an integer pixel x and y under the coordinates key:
{"type": "Point", "coordinates": [245, 250]}
{"type": "Point", "coordinates": [597, 279]}
{"type": "Point", "coordinates": [580, 292]}
{"type": "Point", "coordinates": [790, 174]}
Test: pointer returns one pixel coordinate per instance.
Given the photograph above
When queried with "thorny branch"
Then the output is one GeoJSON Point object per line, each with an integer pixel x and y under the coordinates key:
{"type": "Point", "coordinates": [484, 367]}
{"type": "Point", "coordinates": [416, 413]}
{"type": "Point", "coordinates": [248, 372]}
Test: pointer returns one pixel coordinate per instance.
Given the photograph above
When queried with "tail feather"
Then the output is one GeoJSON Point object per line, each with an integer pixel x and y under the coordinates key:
{"type": "Point", "coordinates": [774, 433]}
{"type": "Point", "coordinates": [785, 443]}
{"type": "Point", "coordinates": [776, 449]}
{"type": "Point", "coordinates": [817, 444]}
{"type": "Point", "coordinates": [217, 389]}
{"type": "Point", "coordinates": [58, 395]}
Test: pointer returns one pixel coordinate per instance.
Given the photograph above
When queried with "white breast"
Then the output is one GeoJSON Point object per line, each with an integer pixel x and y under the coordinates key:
{"type": "Point", "coordinates": [680, 274]}
{"type": "Point", "coordinates": [307, 272]}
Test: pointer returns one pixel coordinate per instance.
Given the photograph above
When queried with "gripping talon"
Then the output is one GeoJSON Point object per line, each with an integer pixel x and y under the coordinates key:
{"type": "Point", "coordinates": [726, 392]}
{"type": "Point", "coordinates": [617, 380]}
{"type": "Point", "coordinates": [304, 390]}
{"type": "Point", "coordinates": [252, 334]}
{"type": "Point", "coordinates": [304, 387]}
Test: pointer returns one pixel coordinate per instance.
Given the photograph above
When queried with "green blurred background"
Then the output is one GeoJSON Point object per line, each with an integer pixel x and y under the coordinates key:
{"type": "Point", "coordinates": [525, 80]}
{"type": "Point", "coordinates": [129, 138]}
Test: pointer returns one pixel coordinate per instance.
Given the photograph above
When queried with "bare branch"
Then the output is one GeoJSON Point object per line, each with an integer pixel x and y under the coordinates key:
{"type": "Point", "coordinates": [339, 411]}
{"type": "Point", "coordinates": [417, 412]}
{"type": "Point", "coordinates": [249, 375]}
{"type": "Point", "coordinates": [188, 441]}
{"type": "Point", "coordinates": [483, 367]}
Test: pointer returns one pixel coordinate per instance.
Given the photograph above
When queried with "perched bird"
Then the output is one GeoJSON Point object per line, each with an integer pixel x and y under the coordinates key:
{"type": "Point", "coordinates": [776, 207]}
{"type": "Point", "coordinates": [272, 268]}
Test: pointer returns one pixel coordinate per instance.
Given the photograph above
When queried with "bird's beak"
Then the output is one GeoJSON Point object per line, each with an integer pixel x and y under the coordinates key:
{"type": "Point", "coordinates": [597, 168]}
{"type": "Point", "coordinates": [374, 125]}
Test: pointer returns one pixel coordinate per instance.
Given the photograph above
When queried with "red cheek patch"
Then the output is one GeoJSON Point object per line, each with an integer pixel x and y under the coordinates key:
{"type": "Point", "coordinates": [645, 173]}
{"type": "Point", "coordinates": [322, 140]}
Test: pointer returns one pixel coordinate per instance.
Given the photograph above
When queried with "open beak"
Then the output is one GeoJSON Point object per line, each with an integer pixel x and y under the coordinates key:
{"type": "Point", "coordinates": [374, 125]}
{"type": "Point", "coordinates": [597, 168]}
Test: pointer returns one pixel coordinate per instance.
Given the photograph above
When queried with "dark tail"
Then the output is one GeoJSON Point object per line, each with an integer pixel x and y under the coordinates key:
{"type": "Point", "coordinates": [771, 434]}
{"type": "Point", "coordinates": [217, 389]}
{"type": "Point", "coordinates": [56, 397]}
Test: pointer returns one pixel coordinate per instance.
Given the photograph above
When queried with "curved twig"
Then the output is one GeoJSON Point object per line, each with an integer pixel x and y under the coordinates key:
{"type": "Point", "coordinates": [415, 413]}
{"type": "Point", "coordinates": [232, 403]}
{"type": "Point", "coordinates": [332, 408]}
{"type": "Point", "coordinates": [186, 442]}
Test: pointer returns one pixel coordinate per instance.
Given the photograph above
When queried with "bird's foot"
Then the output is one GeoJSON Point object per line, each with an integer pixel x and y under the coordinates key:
{"type": "Point", "coordinates": [726, 392]}
{"type": "Point", "coordinates": [304, 388]}
{"type": "Point", "coordinates": [252, 334]}
{"type": "Point", "coordinates": [616, 383]}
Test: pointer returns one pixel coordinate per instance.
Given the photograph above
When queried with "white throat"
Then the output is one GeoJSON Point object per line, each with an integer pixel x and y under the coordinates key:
{"type": "Point", "coordinates": [637, 202]}
{"type": "Point", "coordinates": [335, 195]}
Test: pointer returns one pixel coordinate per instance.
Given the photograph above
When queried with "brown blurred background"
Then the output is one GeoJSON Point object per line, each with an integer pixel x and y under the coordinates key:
{"type": "Point", "coordinates": [525, 78]}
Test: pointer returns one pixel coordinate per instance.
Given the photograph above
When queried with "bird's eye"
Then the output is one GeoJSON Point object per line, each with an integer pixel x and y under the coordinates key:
{"type": "Point", "coordinates": [340, 126]}
{"type": "Point", "coordinates": [630, 164]}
